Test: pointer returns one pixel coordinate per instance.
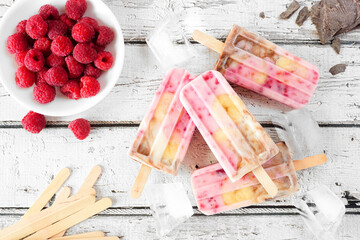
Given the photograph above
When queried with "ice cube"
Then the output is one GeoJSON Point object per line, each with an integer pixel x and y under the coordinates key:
{"type": "Point", "coordinates": [170, 206]}
{"type": "Point", "coordinates": [301, 133]}
{"type": "Point", "coordinates": [322, 212]}
{"type": "Point", "coordinates": [169, 43]}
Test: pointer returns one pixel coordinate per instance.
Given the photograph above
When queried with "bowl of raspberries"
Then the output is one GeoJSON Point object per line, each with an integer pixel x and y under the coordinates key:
{"type": "Point", "coordinates": [61, 56]}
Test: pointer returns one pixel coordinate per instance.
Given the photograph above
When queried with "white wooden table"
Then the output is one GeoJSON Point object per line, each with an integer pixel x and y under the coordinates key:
{"type": "Point", "coordinates": [28, 162]}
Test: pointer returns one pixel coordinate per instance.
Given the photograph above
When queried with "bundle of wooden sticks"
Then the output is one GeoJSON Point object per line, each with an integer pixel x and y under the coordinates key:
{"type": "Point", "coordinates": [66, 211]}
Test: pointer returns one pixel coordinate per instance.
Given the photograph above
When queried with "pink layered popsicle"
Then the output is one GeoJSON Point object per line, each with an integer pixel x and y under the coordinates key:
{"type": "Point", "coordinates": [237, 140]}
{"type": "Point", "coordinates": [215, 192]}
{"type": "Point", "coordinates": [166, 130]}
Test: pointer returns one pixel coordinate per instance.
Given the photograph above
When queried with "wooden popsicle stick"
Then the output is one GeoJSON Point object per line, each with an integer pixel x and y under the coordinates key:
{"type": "Point", "coordinates": [77, 196]}
{"type": "Point", "coordinates": [140, 181]}
{"type": "Point", "coordinates": [63, 195]}
{"type": "Point", "coordinates": [91, 179]}
{"type": "Point", "coordinates": [92, 238]}
{"type": "Point", "coordinates": [208, 41]}
{"type": "Point", "coordinates": [265, 181]}
{"type": "Point", "coordinates": [82, 235]}
{"type": "Point", "coordinates": [49, 192]}
{"type": "Point", "coordinates": [45, 218]}
{"type": "Point", "coordinates": [309, 162]}
{"type": "Point", "coordinates": [72, 220]}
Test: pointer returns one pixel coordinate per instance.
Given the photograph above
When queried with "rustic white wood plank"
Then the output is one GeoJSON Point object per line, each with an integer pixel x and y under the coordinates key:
{"type": "Point", "coordinates": [201, 227]}
{"type": "Point", "coordinates": [28, 162]}
{"type": "Point", "coordinates": [336, 99]}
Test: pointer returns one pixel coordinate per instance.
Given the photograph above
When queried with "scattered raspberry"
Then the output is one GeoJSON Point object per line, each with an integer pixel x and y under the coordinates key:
{"type": "Point", "coordinates": [89, 21]}
{"type": "Point", "coordinates": [48, 12]}
{"type": "Point", "coordinates": [17, 43]}
{"type": "Point", "coordinates": [34, 60]}
{"type": "Point", "coordinates": [62, 46]}
{"type": "Point", "coordinates": [43, 44]}
{"type": "Point", "coordinates": [33, 122]}
{"type": "Point", "coordinates": [106, 36]}
{"type": "Point", "coordinates": [55, 61]}
{"type": "Point", "coordinates": [71, 89]}
{"type": "Point", "coordinates": [20, 28]}
{"type": "Point", "coordinates": [92, 71]}
{"type": "Point", "coordinates": [89, 87]}
{"type": "Point", "coordinates": [56, 76]}
{"type": "Point", "coordinates": [40, 76]}
{"type": "Point", "coordinates": [75, 9]}
{"type": "Point", "coordinates": [69, 22]}
{"type": "Point", "coordinates": [36, 27]}
{"type": "Point", "coordinates": [56, 28]}
{"type": "Point", "coordinates": [80, 127]}
{"type": "Point", "coordinates": [97, 48]}
{"type": "Point", "coordinates": [83, 53]}
{"type": "Point", "coordinates": [43, 93]}
{"type": "Point", "coordinates": [20, 58]}
{"type": "Point", "coordinates": [104, 61]}
{"type": "Point", "coordinates": [24, 78]}
{"type": "Point", "coordinates": [82, 32]}
{"type": "Point", "coordinates": [74, 67]}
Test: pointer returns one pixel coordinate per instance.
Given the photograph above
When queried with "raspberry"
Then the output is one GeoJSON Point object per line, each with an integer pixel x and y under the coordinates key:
{"type": "Point", "coordinates": [83, 53]}
{"type": "Point", "coordinates": [20, 58]}
{"type": "Point", "coordinates": [75, 68]}
{"type": "Point", "coordinates": [62, 46]}
{"type": "Point", "coordinates": [17, 43]}
{"type": "Point", "coordinates": [82, 32]}
{"type": "Point", "coordinates": [71, 89]}
{"type": "Point", "coordinates": [20, 28]}
{"type": "Point", "coordinates": [89, 21]}
{"type": "Point", "coordinates": [106, 36]}
{"type": "Point", "coordinates": [48, 12]}
{"type": "Point", "coordinates": [92, 71]}
{"type": "Point", "coordinates": [55, 61]}
{"type": "Point", "coordinates": [56, 76]}
{"type": "Point", "coordinates": [24, 78]}
{"type": "Point", "coordinates": [69, 22]}
{"type": "Point", "coordinates": [80, 127]}
{"type": "Point", "coordinates": [34, 60]}
{"type": "Point", "coordinates": [36, 27]}
{"type": "Point", "coordinates": [43, 93]}
{"type": "Point", "coordinates": [89, 87]}
{"type": "Point", "coordinates": [43, 44]}
{"type": "Point", "coordinates": [104, 61]}
{"type": "Point", "coordinates": [75, 9]}
{"type": "Point", "coordinates": [96, 47]}
{"type": "Point", "coordinates": [40, 76]}
{"type": "Point", "coordinates": [56, 28]}
{"type": "Point", "coordinates": [33, 122]}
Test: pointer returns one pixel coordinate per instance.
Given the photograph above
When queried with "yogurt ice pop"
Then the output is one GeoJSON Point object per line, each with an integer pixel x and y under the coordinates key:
{"type": "Point", "coordinates": [166, 130]}
{"type": "Point", "coordinates": [237, 140]}
{"type": "Point", "coordinates": [254, 63]}
{"type": "Point", "coordinates": [215, 192]}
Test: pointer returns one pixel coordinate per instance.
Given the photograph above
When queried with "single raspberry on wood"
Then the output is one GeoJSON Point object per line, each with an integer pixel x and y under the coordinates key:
{"type": "Point", "coordinates": [44, 93]}
{"type": "Point", "coordinates": [40, 76]}
{"type": "Point", "coordinates": [17, 43]}
{"type": "Point", "coordinates": [62, 46]}
{"type": "Point", "coordinates": [56, 28]}
{"type": "Point", "coordinates": [69, 22]}
{"type": "Point", "coordinates": [106, 36]}
{"type": "Point", "coordinates": [84, 53]}
{"type": "Point", "coordinates": [75, 9]}
{"type": "Point", "coordinates": [20, 28]}
{"type": "Point", "coordinates": [56, 76]}
{"type": "Point", "coordinates": [55, 61]}
{"type": "Point", "coordinates": [89, 87]}
{"type": "Point", "coordinates": [24, 78]}
{"type": "Point", "coordinates": [48, 12]}
{"type": "Point", "coordinates": [71, 89]}
{"type": "Point", "coordinates": [33, 122]}
{"type": "Point", "coordinates": [43, 44]}
{"type": "Point", "coordinates": [89, 21]}
{"type": "Point", "coordinates": [20, 58]}
{"type": "Point", "coordinates": [34, 60]}
{"type": "Point", "coordinates": [36, 27]}
{"type": "Point", "coordinates": [80, 127]}
{"type": "Point", "coordinates": [104, 61]}
{"type": "Point", "coordinates": [74, 67]}
{"type": "Point", "coordinates": [92, 71]}
{"type": "Point", "coordinates": [83, 32]}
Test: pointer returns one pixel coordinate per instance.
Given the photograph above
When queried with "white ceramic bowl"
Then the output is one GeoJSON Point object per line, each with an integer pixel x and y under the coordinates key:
{"type": "Point", "coordinates": [61, 106]}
